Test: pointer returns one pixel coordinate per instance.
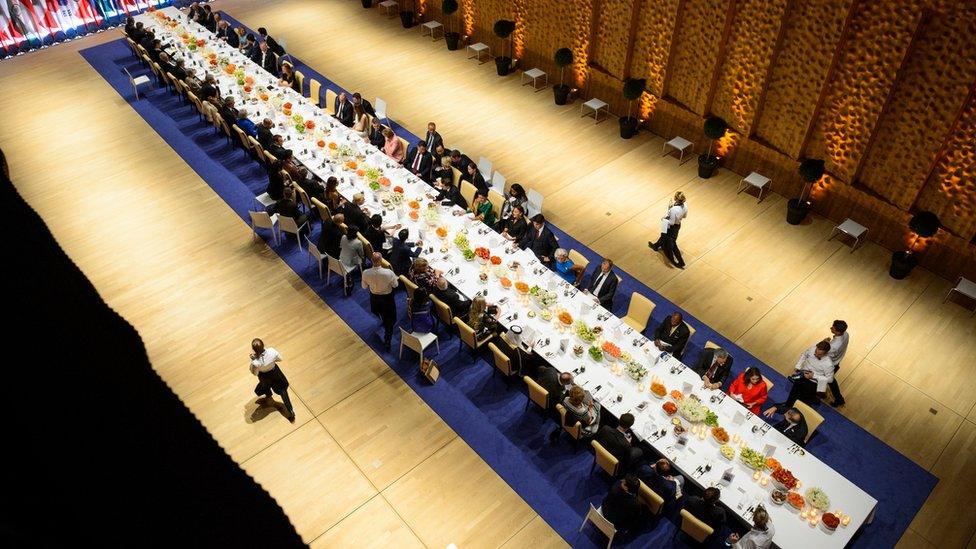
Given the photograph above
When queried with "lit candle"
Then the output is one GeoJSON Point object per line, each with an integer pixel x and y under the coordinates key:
{"type": "Point", "coordinates": [764, 481]}
{"type": "Point", "coordinates": [803, 514]}
{"type": "Point", "coordinates": [813, 520]}
{"type": "Point", "coordinates": [846, 520]}
{"type": "Point", "coordinates": [756, 476]}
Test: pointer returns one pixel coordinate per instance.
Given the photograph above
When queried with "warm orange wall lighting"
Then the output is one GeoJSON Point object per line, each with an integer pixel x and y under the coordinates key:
{"type": "Point", "coordinates": [467, 16]}
{"type": "Point", "coordinates": [582, 16]}
{"type": "Point", "coordinates": [421, 7]}
{"type": "Point", "coordinates": [726, 143]}
{"type": "Point", "coordinates": [646, 105]}
{"type": "Point", "coordinates": [518, 37]}
{"type": "Point", "coordinates": [821, 187]}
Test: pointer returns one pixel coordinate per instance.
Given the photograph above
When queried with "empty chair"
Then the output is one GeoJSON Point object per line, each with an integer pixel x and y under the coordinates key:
{"type": "Point", "coordinates": [603, 458]}
{"type": "Point", "coordinates": [964, 287]}
{"type": "Point", "coordinates": [324, 214]}
{"type": "Point", "coordinates": [469, 338]}
{"type": "Point", "coordinates": [696, 529]}
{"type": "Point", "coordinates": [812, 417]}
{"type": "Point", "coordinates": [503, 364]}
{"type": "Point", "coordinates": [484, 166]}
{"type": "Point", "coordinates": [379, 107]}
{"type": "Point", "coordinates": [496, 199]}
{"type": "Point", "coordinates": [534, 203]}
{"type": "Point", "coordinates": [315, 254]}
{"type": "Point", "coordinates": [336, 266]}
{"type": "Point", "coordinates": [137, 81]}
{"type": "Point", "coordinates": [289, 225]}
{"type": "Point", "coordinates": [468, 191]}
{"type": "Point", "coordinates": [601, 523]}
{"type": "Point", "coordinates": [261, 220]}
{"type": "Point", "coordinates": [638, 312]}
{"type": "Point", "coordinates": [650, 499]}
{"type": "Point", "coordinates": [330, 99]}
{"type": "Point", "coordinates": [418, 342]}
{"type": "Point", "coordinates": [537, 393]}
{"type": "Point", "coordinates": [498, 182]}
{"type": "Point", "coordinates": [314, 91]}
{"type": "Point", "coordinates": [575, 431]}
{"type": "Point", "coordinates": [443, 314]}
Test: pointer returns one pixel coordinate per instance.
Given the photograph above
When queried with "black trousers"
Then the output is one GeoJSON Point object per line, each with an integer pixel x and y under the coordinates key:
{"type": "Point", "coordinates": [804, 390]}
{"type": "Point", "coordinates": [669, 242]}
{"type": "Point", "coordinates": [384, 306]}
{"type": "Point", "coordinates": [274, 380]}
{"type": "Point", "coordinates": [835, 387]}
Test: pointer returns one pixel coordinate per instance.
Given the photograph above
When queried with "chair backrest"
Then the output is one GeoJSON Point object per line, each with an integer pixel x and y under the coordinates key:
{"type": "Point", "coordinates": [287, 224]}
{"type": "Point", "coordinates": [129, 74]}
{"type": "Point", "coordinates": [602, 524]}
{"type": "Point", "coordinates": [270, 159]}
{"type": "Point", "coordinates": [456, 175]}
{"type": "Point", "coordinates": [639, 311]}
{"type": "Point", "coordinates": [534, 198]}
{"type": "Point", "coordinates": [330, 99]}
{"type": "Point", "coordinates": [578, 259]}
{"type": "Point", "coordinates": [691, 334]}
{"type": "Point", "coordinates": [367, 247]}
{"type": "Point", "coordinates": [409, 286]}
{"type": "Point", "coordinates": [769, 384]}
{"type": "Point", "coordinates": [502, 362]}
{"type": "Point", "coordinates": [711, 345]}
{"type": "Point", "coordinates": [468, 191]}
{"type": "Point", "coordinates": [405, 144]}
{"type": "Point", "coordinates": [303, 196]}
{"type": "Point", "coordinates": [256, 148]}
{"type": "Point", "coordinates": [812, 417]}
{"type": "Point", "coordinates": [410, 340]}
{"type": "Point", "coordinates": [484, 166]}
{"type": "Point", "coordinates": [324, 213]}
{"type": "Point", "coordinates": [466, 333]}
{"type": "Point", "coordinates": [497, 199]}
{"type": "Point", "coordinates": [336, 266]}
{"type": "Point", "coordinates": [650, 498]}
{"type": "Point", "coordinates": [313, 250]}
{"type": "Point", "coordinates": [537, 393]}
{"type": "Point", "coordinates": [379, 106]}
{"type": "Point", "coordinates": [698, 530]}
{"type": "Point", "coordinates": [605, 459]}
{"type": "Point", "coordinates": [314, 89]}
{"type": "Point", "coordinates": [261, 220]}
{"type": "Point", "coordinates": [498, 182]}
{"type": "Point", "coordinates": [300, 78]}
{"type": "Point", "coordinates": [574, 430]}
{"type": "Point", "coordinates": [242, 137]}
{"type": "Point", "coordinates": [442, 311]}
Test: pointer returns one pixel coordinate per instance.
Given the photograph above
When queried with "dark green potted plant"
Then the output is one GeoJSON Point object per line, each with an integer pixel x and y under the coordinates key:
{"type": "Point", "coordinates": [452, 38]}
{"type": "Point", "coordinates": [811, 170]}
{"type": "Point", "coordinates": [633, 88]}
{"type": "Point", "coordinates": [367, 3]}
{"type": "Point", "coordinates": [503, 29]}
{"type": "Point", "coordinates": [923, 224]}
{"type": "Point", "coordinates": [714, 128]}
{"type": "Point", "coordinates": [407, 16]}
{"type": "Point", "coordinates": [563, 59]}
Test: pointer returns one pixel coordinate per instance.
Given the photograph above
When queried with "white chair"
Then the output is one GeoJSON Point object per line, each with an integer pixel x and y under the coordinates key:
{"type": "Point", "coordinates": [534, 203]}
{"type": "Point", "coordinates": [596, 106]}
{"type": "Point", "coordinates": [755, 179]}
{"type": "Point", "coordinates": [336, 266]}
{"type": "Point", "coordinates": [379, 107]}
{"type": "Point", "coordinates": [596, 517]}
{"type": "Point", "coordinates": [314, 253]}
{"type": "Point", "coordinates": [264, 199]}
{"type": "Point", "coordinates": [430, 27]}
{"type": "Point", "coordinates": [534, 75]}
{"type": "Point", "coordinates": [965, 287]}
{"type": "Point", "coordinates": [261, 220]}
{"type": "Point", "coordinates": [418, 342]}
{"type": "Point", "coordinates": [391, 6]}
{"type": "Point", "coordinates": [484, 166]}
{"type": "Point", "coordinates": [137, 81]}
{"type": "Point", "coordinates": [852, 229]}
{"type": "Point", "coordinates": [498, 182]}
{"type": "Point", "coordinates": [477, 49]}
{"type": "Point", "coordinates": [679, 144]}
{"type": "Point", "coordinates": [289, 225]}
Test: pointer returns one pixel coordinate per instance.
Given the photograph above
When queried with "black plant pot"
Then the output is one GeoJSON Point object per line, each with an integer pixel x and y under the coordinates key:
{"type": "Point", "coordinates": [406, 18]}
{"type": "Point", "coordinates": [706, 165]}
{"type": "Point", "coordinates": [560, 93]}
{"type": "Point", "coordinates": [367, 3]}
{"type": "Point", "coordinates": [902, 263]}
{"type": "Point", "coordinates": [503, 65]}
{"type": "Point", "coordinates": [452, 39]}
{"type": "Point", "coordinates": [796, 211]}
{"type": "Point", "coordinates": [628, 127]}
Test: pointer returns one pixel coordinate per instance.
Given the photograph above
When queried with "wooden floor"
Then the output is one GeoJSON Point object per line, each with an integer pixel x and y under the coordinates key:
{"type": "Point", "coordinates": [367, 462]}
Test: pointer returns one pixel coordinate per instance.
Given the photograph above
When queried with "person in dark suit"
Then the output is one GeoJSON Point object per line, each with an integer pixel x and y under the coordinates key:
{"type": "Point", "coordinates": [603, 284]}
{"type": "Point", "coordinates": [374, 233]}
{"type": "Point", "coordinates": [165, 63]}
{"type": "Point", "coordinates": [672, 335]}
{"type": "Point", "coordinates": [418, 161]}
{"type": "Point", "coordinates": [433, 139]}
{"type": "Point", "coordinates": [475, 178]}
{"type": "Point", "coordinates": [794, 426]}
{"type": "Point", "coordinates": [276, 183]}
{"type": "Point", "coordinates": [707, 509]}
{"type": "Point", "coordinates": [178, 71]}
{"type": "Point", "coordinates": [540, 240]}
{"type": "Point", "coordinates": [375, 135]}
{"type": "Point", "coordinates": [448, 191]}
{"type": "Point", "coordinates": [456, 302]}
{"type": "Point", "coordinates": [713, 366]}
{"type": "Point", "coordinates": [460, 162]}
{"type": "Point", "coordinates": [227, 34]}
{"type": "Point", "coordinates": [354, 212]}
{"type": "Point", "coordinates": [249, 46]}
{"type": "Point", "coordinates": [136, 32]}
{"type": "Point", "coordinates": [402, 253]}
{"type": "Point", "coordinates": [513, 228]}
{"type": "Point", "coordinates": [209, 91]}
{"type": "Point", "coordinates": [440, 171]}
{"type": "Point", "coordinates": [277, 147]}
{"type": "Point", "coordinates": [273, 44]}
{"type": "Point", "coordinates": [331, 238]}
{"type": "Point", "coordinates": [438, 153]}
{"type": "Point", "coordinates": [343, 110]}
{"type": "Point", "coordinates": [265, 136]}
{"type": "Point", "coordinates": [266, 58]}
{"type": "Point", "coordinates": [211, 20]}
{"type": "Point", "coordinates": [556, 383]}
{"type": "Point", "coordinates": [660, 478]}
{"type": "Point", "coordinates": [619, 441]}
{"type": "Point", "coordinates": [228, 111]}
{"type": "Point", "coordinates": [358, 101]}
{"type": "Point", "coordinates": [620, 506]}
{"type": "Point", "coordinates": [288, 207]}
{"type": "Point", "coordinates": [147, 40]}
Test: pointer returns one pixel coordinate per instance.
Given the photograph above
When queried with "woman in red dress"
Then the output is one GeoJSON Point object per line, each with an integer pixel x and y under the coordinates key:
{"type": "Point", "coordinates": [749, 389]}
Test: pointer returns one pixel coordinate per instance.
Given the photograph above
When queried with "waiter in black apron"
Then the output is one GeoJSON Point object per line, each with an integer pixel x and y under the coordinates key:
{"type": "Point", "coordinates": [264, 364]}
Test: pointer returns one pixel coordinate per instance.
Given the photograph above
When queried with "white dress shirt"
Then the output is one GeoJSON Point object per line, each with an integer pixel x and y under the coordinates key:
{"type": "Point", "coordinates": [380, 280]}
{"type": "Point", "coordinates": [266, 361]}
{"type": "Point", "coordinates": [822, 368]}
{"type": "Point", "coordinates": [676, 213]}
{"type": "Point", "coordinates": [756, 539]}
{"type": "Point", "coordinates": [838, 348]}
{"type": "Point", "coordinates": [599, 285]}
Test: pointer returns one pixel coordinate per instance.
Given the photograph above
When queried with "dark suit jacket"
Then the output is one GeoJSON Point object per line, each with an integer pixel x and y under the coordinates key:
{"type": "Point", "coordinates": [424, 170]}
{"type": "Point", "coordinates": [439, 172]}
{"type": "Point", "coordinates": [621, 508]}
{"type": "Point", "coordinates": [454, 195]}
{"type": "Point", "coordinates": [330, 239]}
{"type": "Point", "coordinates": [270, 63]}
{"type": "Point", "coordinates": [376, 137]}
{"type": "Point", "coordinates": [210, 23]}
{"type": "Point", "coordinates": [477, 180]}
{"type": "Point", "coordinates": [402, 255]}
{"type": "Point", "coordinates": [367, 107]}
{"type": "Point", "coordinates": [678, 340]}
{"type": "Point", "coordinates": [274, 46]}
{"type": "Point", "coordinates": [616, 443]}
{"type": "Point", "coordinates": [548, 378]}
{"type": "Point", "coordinates": [661, 486]}
{"type": "Point", "coordinates": [233, 40]}
{"type": "Point", "coordinates": [608, 289]}
{"type": "Point", "coordinates": [355, 216]}
{"type": "Point", "coordinates": [462, 165]}
{"type": "Point", "coordinates": [712, 515]}
{"type": "Point", "coordinates": [516, 227]}
{"type": "Point", "coordinates": [276, 151]}
{"type": "Point", "coordinates": [705, 362]}
{"type": "Point", "coordinates": [345, 115]}
{"type": "Point", "coordinates": [264, 136]}
{"type": "Point", "coordinates": [796, 433]}
{"type": "Point", "coordinates": [541, 245]}
{"type": "Point", "coordinates": [375, 237]}
{"type": "Point", "coordinates": [433, 139]}
{"type": "Point", "coordinates": [209, 91]}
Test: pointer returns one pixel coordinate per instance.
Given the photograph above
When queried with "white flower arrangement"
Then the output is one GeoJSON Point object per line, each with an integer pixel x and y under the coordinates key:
{"type": "Point", "coordinates": [692, 410]}
{"type": "Point", "coordinates": [636, 370]}
{"type": "Point", "coordinates": [818, 498]}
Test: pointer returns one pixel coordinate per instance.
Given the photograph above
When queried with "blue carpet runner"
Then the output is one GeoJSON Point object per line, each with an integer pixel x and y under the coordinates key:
{"type": "Point", "coordinates": [490, 416]}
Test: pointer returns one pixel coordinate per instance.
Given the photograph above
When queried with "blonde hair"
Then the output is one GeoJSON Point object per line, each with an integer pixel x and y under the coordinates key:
{"type": "Point", "coordinates": [477, 312]}
{"type": "Point", "coordinates": [679, 197]}
{"type": "Point", "coordinates": [445, 161]}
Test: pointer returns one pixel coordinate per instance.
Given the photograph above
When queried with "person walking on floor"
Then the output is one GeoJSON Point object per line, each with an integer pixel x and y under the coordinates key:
{"type": "Point", "coordinates": [381, 283]}
{"type": "Point", "coordinates": [670, 225]}
{"type": "Point", "coordinates": [838, 348]}
{"type": "Point", "coordinates": [264, 364]}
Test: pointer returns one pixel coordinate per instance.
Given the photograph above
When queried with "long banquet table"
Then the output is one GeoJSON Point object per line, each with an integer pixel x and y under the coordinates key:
{"type": "Point", "coordinates": [330, 149]}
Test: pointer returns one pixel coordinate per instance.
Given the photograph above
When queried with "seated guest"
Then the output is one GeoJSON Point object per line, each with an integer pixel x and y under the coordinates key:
{"type": "Point", "coordinates": [448, 191]}
{"type": "Point", "coordinates": [331, 237]}
{"type": "Point", "coordinates": [621, 442]}
{"type": "Point", "coordinates": [621, 507]}
{"type": "Point", "coordinates": [540, 240]}
{"type": "Point", "coordinates": [440, 170]}
{"type": "Point", "coordinates": [265, 58]}
{"type": "Point", "coordinates": [276, 183]}
{"type": "Point", "coordinates": [210, 20]}
{"type": "Point", "coordinates": [264, 134]}
{"type": "Point", "coordinates": [475, 178]}
{"type": "Point", "coordinates": [482, 318]}
{"type": "Point", "coordinates": [794, 426]}
{"type": "Point", "coordinates": [297, 173]}
{"type": "Point", "coordinates": [661, 478]}
{"type": "Point", "coordinates": [516, 197]}
{"type": "Point", "coordinates": [514, 226]}
{"type": "Point", "coordinates": [332, 197]}
{"type": "Point", "coordinates": [813, 372]}
{"type": "Point", "coordinates": [603, 284]}
{"type": "Point", "coordinates": [228, 111]}
{"type": "Point", "coordinates": [197, 13]}
{"type": "Point", "coordinates": [460, 161]}
{"type": "Point", "coordinates": [672, 335]}
{"type": "Point", "coordinates": [439, 153]}
{"type": "Point", "coordinates": [244, 123]}
{"type": "Point", "coordinates": [343, 110]}
{"type": "Point", "coordinates": [580, 407]}
{"type": "Point", "coordinates": [130, 26]}
{"type": "Point", "coordinates": [288, 207]}
{"type": "Point", "coordinates": [287, 78]}
{"type": "Point", "coordinates": [351, 253]}
{"type": "Point", "coordinates": [147, 40]}
{"type": "Point", "coordinates": [248, 45]}
{"type": "Point", "coordinates": [277, 147]}
{"type": "Point", "coordinates": [749, 389]}
{"type": "Point", "coordinates": [178, 70]}
{"type": "Point", "coordinates": [402, 253]}
{"type": "Point", "coordinates": [449, 296]}
{"type": "Point", "coordinates": [165, 63]}
{"type": "Point", "coordinates": [136, 31]}
{"type": "Point", "coordinates": [366, 106]}
{"type": "Point", "coordinates": [761, 534]}
{"type": "Point", "coordinates": [713, 366]}
{"type": "Point", "coordinates": [155, 49]}
{"type": "Point", "coordinates": [556, 383]}
{"type": "Point", "coordinates": [482, 209]}
{"type": "Point", "coordinates": [418, 161]}
{"type": "Point", "coordinates": [376, 137]}
{"type": "Point", "coordinates": [565, 268]}
{"type": "Point", "coordinates": [354, 212]}
{"type": "Point", "coordinates": [432, 138]}
{"type": "Point", "coordinates": [421, 315]}
{"type": "Point", "coordinates": [707, 508]}
{"type": "Point", "coordinates": [360, 122]}
{"type": "Point", "coordinates": [423, 275]}
{"type": "Point", "coordinates": [227, 34]}
{"type": "Point", "coordinates": [392, 147]}
{"type": "Point", "coordinates": [374, 233]}
{"type": "Point", "coordinates": [192, 82]}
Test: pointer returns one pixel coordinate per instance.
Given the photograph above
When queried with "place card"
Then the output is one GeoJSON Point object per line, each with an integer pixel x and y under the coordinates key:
{"type": "Point", "coordinates": [563, 345]}
{"type": "Point", "coordinates": [687, 388]}
{"type": "Point", "coordinates": [738, 418]}
{"type": "Point", "coordinates": [727, 477]}
{"type": "Point", "coordinates": [681, 443]}
{"type": "Point", "coordinates": [768, 450]}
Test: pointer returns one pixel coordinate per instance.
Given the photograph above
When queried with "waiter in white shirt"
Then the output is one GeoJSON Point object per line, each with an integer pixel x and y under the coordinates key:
{"type": "Point", "coordinates": [264, 364]}
{"type": "Point", "coordinates": [838, 348]}
{"type": "Point", "coordinates": [670, 225]}
{"type": "Point", "coordinates": [381, 282]}
{"type": "Point", "coordinates": [814, 371]}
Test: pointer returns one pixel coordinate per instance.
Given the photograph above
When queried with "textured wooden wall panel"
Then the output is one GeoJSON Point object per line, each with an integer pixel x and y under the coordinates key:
{"type": "Point", "coordinates": [744, 69]}
{"type": "Point", "coordinates": [548, 27]}
{"type": "Point", "coordinates": [696, 46]}
{"type": "Point", "coordinates": [486, 12]}
{"type": "Point", "coordinates": [878, 39]}
{"type": "Point", "coordinates": [613, 30]}
{"type": "Point", "coordinates": [930, 90]}
{"type": "Point", "coordinates": [652, 45]}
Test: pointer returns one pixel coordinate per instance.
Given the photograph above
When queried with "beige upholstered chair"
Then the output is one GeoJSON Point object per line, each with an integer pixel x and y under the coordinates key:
{"type": "Point", "coordinates": [638, 312]}
{"type": "Point", "coordinates": [650, 498]}
{"type": "Point", "coordinates": [537, 393]}
{"type": "Point", "coordinates": [575, 431]}
{"type": "Point", "coordinates": [604, 459]}
{"type": "Point", "coordinates": [696, 529]}
{"type": "Point", "coordinates": [812, 417]}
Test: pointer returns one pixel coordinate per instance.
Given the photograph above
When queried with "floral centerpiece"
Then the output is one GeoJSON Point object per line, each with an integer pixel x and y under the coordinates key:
{"type": "Point", "coordinates": [636, 370]}
{"type": "Point", "coordinates": [692, 410]}
{"type": "Point", "coordinates": [396, 197]}
{"type": "Point", "coordinates": [817, 498]}
{"type": "Point", "coordinates": [543, 297]}
{"type": "Point", "coordinates": [345, 150]}
{"type": "Point", "coordinates": [372, 174]}
{"type": "Point", "coordinates": [432, 214]}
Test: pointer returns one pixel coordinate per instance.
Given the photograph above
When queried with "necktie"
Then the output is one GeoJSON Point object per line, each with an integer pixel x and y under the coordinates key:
{"type": "Point", "coordinates": [599, 281]}
{"type": "Point", "coordinates": [430, 140]}
{"type": "Point", "coordinates": [416, 161]}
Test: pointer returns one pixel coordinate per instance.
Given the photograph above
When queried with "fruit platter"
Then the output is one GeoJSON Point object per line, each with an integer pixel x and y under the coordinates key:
{"type": "Point", "coordinates": [720, 435]}
{"type": "Point", "coordinates": [727, 451]}
{"type": "Point", "coordinates": [796, 500]}
{"type": "Point", "coordinates": [658, 389]}
{"type": "Point", "coordinates": [830, 521]}
{"type": "Point", "coordinates": [692, 410]}
{"type": "Point", "coordinates": [778, 496]}
{"type": "Point", "coordinates": [677, 395]}
{"type": "Point", "coordinates": [566, 318]}
{"type": "Point", "coordinates": [670, 408]}
{"type": "Point", "coordinates": [521, 287]}
{"type": "Point", "coordinates": [773, 464]}
{"type": "Point", "coordinates": [610, 350]}
{"type": "Point", "coordinates": [784, 479]}
{"type": "Point", "coordinates": [545, 315]}
{"type": "Point", "coordinates": [467, 254]}
{"type": "Point", "coordinates": [584, 332]}
{"type": "Point", "coordinates": [578, 350]}
{"type": "Point", "coordinates": [752, 458]}
{"type": "Point", "coordinates": [596, 354]}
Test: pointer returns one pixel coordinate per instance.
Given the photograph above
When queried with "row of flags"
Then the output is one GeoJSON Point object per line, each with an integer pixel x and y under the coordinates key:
{"type": "Point", "coordinates": [30, 24]}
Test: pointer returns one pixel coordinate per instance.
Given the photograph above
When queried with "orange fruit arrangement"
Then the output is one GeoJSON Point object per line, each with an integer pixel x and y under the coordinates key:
{"type": "Point", "coordinates": [385, 181]}
{"type": "Point", "coordinates": [565, 318]}
{"type": "Point", "coordinates": [677, 395]}
{"type": "Point", "coordinates": [495, 260]}
{"type": "Point", "coordinates": [505, 282]}
{"type": "Point", "coordinates": [659, 389]}
{"type": "Point", "coordinates": [415, 215]}
{"type": "Point", "coordinates": [441, 232]}
{"type": "Point", "coordinates": [522, 287]}
{"type": "Point", "coordinates": [414, 205]}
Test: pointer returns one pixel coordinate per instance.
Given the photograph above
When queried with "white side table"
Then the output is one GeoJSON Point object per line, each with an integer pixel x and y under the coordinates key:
{"type": "Point", "coordinates": [430, 27]}
{"type": "Point", "coordinates": [596, 106]}
{"type": "Point", "coordinates": [679, 144]}
{"type": "Point", "coordinates": [477, 49]}
{"type": "Point", "coordinates": [534, 75]}
{"type": "Point", "coordinates": [852, 229]}
{"type": "Point", "coordinates": [965, 287]}
{"type": "Point", "coordinates": [391, 7]}
{"type": "Point", "coordinates": [755, 179]}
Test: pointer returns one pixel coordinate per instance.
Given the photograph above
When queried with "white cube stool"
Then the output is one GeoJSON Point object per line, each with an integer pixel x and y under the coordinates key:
{"type": "Point", "coordinates": [852, 229]}
{"type": "Point", "coordinates": [430, 27]}
{"type": "Point", "coordinates": [391, 7]}
{"type": "Point", "coordinates": [965, 287]}
{"type": "Point", "coordinates": [477, 49]}
{"type": "Point", "coordinates": [534, 75]}
{"type": "Point", "coordinates": [596, 106]}
{"type": "Point", "coordinates": [755, 179]}
{"type": "Point", "coordinates": [679, 144]}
